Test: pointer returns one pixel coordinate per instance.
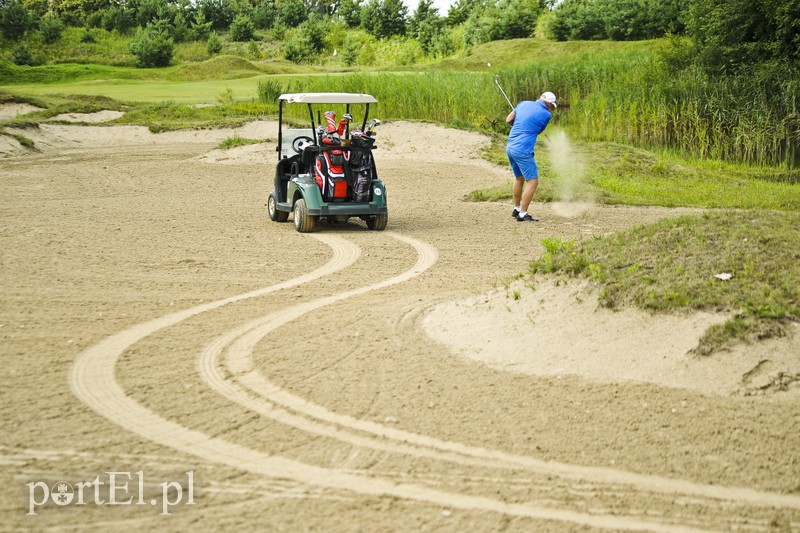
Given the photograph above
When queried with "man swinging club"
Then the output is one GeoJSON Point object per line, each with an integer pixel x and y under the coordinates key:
{"type": "Point", "coordinates": [527, 120]}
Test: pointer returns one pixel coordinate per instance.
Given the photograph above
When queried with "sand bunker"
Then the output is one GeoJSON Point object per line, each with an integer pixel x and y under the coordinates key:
{"type": "Point", "coordinates": [97, 117]}
{"type": "Point", "coordinates": [560, 329]}
{"type": "Point", "coordinates": [14, 110]}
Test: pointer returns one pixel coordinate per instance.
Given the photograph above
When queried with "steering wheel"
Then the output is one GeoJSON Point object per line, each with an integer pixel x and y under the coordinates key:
{"type": "Point", "coordinates": [300, 143]}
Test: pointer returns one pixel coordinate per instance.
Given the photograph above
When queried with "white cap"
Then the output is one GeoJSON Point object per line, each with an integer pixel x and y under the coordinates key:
{"type": "Point", "coordinates": [549, 97]}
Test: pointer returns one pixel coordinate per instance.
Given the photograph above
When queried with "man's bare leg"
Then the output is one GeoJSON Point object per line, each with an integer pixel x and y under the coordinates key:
{"type": "Point", "coordinates": [518, 190]}
{"type": "Point", "coordinates": [527, 194]}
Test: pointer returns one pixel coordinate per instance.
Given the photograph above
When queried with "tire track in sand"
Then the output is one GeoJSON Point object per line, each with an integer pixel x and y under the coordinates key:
{"type": "Point", "coordinates": [247, 387]}
{"type": "Point", "coordinates": [92, 380]}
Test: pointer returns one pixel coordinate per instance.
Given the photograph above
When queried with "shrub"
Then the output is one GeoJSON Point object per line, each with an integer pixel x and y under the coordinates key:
{"type": "Point", "coordinates": [447, 43]}
{"type": "Point", "coordinates": [315, 30]}
{"type": "Point", "coordinates": [242, 28]}
{"type": "Point", "coordinates": [21, 55]}
{"type": "Point", "coordinates": [269, 91]}
{"type": "Point", "coordinates": [298, 48]}
{"type": "Point", "coordinates": [201, 29]}
{"type": "Point", "coordinates": [87, 37]}
{"type": "Point", "coordinates": [384, 18]}
{"type": "Point", "coordinates": [218, 12]}
{"type": "Point", "coordinates": [350, 49]}
{"type": "Point", "coordinates": [576, 20]}
{"type": "Point", "coordinates": [367, 56]}
{"type": "Point", "coordinates": [264, 15]}
{"type": "Point", "coordinates": [50, 28]}
{"type": "Point", "coordinates": [152, 48]}
{"type": "Point", "coordinates": [14, 20]}
{"type": "Point", "coordinates": [214, 44]}
{"type": "Point", "coordinates": [350, 12]}
{"type": "Point", "coordinates": [253, 51]}
{"type": "Point", "coordinates": [120, 18]}
{"type": "Point", "coordinates": [180, 28]}
{"type": "Point", "coordinates": [734, 35]}
{"type": "Point", "coordinates": [410, 53]}
{"type": "Point", "coordinates": [292, 13]}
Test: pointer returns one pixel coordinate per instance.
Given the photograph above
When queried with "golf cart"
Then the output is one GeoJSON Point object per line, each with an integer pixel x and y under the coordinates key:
{"type": "Point", "coordinates": [327, 171]}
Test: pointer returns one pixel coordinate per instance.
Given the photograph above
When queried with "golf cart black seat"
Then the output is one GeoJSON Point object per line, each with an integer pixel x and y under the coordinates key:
{"type": "Point", "coordinates": [309, 155]}
{"type": "Point", "coordinates": [286, 167]}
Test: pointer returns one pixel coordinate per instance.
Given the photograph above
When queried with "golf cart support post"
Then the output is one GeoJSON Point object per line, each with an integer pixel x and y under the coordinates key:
{"type": "Point", "coordinates": [296, 190]}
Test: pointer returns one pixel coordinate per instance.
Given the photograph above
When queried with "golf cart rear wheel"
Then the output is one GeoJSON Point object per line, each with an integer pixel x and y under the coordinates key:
{"type": "Point", "coordinates": [272, 210]}
{"type": "Point", "coordinates": [378, 222]}
{"type": "Point", "coordinates": [303, 222]}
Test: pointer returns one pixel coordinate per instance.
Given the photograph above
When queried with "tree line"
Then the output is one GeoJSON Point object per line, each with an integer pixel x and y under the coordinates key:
{"type": "Point", "coordinates": [721, 36]}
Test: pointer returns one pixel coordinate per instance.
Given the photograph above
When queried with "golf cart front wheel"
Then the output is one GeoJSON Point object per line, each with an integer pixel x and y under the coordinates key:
{"type": "Point", "coordinates": [272, 210]}
{"type": "Point", "coordinates": [378, 222]}
{"type": "Point", "coordinates": [303, 222]}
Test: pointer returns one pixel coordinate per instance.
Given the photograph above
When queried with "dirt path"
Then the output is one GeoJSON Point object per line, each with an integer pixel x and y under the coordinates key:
{"type": "Point", "coordinates": [155, 321]}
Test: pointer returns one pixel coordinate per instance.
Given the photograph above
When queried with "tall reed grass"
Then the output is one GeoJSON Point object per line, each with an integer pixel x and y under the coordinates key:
{"type": "Point", "coordinates": [626, 96]}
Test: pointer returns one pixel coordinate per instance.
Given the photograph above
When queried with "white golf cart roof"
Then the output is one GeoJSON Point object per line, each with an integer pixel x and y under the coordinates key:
{"type": "Point", "coordinates": [328, 98]}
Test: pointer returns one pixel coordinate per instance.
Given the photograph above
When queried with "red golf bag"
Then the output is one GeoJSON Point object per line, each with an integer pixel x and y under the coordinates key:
{"type": "Point", "coordinates": [329, 172]}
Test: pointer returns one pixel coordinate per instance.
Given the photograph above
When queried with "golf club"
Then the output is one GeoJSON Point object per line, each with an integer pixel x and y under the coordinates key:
{"type": "Point", "coordinates": [372, 123]}
{"type": "Point", "coordinates": [497, 81]}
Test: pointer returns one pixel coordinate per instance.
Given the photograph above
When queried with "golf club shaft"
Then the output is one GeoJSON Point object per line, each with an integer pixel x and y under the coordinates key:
{"type": "Point", "coordinates": [497, 81]}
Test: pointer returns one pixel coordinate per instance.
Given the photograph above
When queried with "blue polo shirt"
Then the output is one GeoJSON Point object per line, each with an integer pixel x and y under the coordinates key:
{"type": "Point", "coordinates": [530, 119]}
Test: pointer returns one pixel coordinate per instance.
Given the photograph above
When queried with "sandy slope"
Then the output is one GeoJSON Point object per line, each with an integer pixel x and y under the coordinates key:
{"type": "Point", "coordinates": [154, 320]}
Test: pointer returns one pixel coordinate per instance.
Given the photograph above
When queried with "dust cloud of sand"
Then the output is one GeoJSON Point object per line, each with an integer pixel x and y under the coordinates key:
{"type": "Point", "coordinates": [568, 166]}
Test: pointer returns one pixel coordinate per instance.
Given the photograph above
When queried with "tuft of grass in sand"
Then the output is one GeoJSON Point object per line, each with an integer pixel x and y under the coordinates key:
{"type": "Point", "coordinates": [24, 141]}
{"type": "Point", "coordinates": [745, 263]}
{"type": "Point", "coordinates": [236, 140]}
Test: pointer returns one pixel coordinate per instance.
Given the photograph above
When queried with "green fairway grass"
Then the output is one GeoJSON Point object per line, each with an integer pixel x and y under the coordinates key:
{"type": "Point", "coordinates": [190, 83]}
{"type": "Point", "coordinates": [192, 92]}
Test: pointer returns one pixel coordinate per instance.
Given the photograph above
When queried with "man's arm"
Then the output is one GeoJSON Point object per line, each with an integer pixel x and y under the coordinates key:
{"type": "Point", "coordinates": [510, 118]}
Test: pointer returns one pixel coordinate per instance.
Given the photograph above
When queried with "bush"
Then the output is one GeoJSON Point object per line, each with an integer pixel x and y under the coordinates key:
{"type": "Point", "coordinates": [242, 28]}
{"type": "Point", "coordinates": [576, 20]}
{"type": "Point", "coordinates": [14, 20]}
{"type": "Point", "coordinates": [292, 13]}
{"type": "Point", "coordinates": [201, 29]}
{"type": "Point", "coordinates": [506, 19]}
{"type": "Point", "coordinates": [384, 18]}
{"type": "Point", "coordinates": [517, 18]}
{"type": "Point", "coordinates": [218, 12]}
{"type": "Point", "coordinates": [269, 91]}
{"type": "Point", "coordinates": [87, 37]}
{"type": "Point", "coordinates": [736, 35]}
{"type": "Point", "coordinates": [367, 56]}
{"type": "Point", "coordinates": [122, 19]}
{"type": "Point", "coordinates": [21, 55]}
{"type": "Point", "coordinates": [619, 20]}
{"type": "Point", "coordinates": [315, 30]}
{"type": "Point", "coordinates": [448, 42]}
{"type": "Point", "coordinates": [180, 28]}
{"type": "Point", "coordinates": [350, 12]}
{"type": "Point", "coordinates": [298, 49]}
{"type": "Point", "coordinates": [351, 46]}
{"type": "Point", "coordinates": [264, 15]}
{"type": "Point", "coordinates": [152, 48]}
{"type": "Point", "coordinates": [410, 53]}
{"type": "Point", "coordinates": [214, 44]}
{"type": "Point", "coordinates": [50, 28]}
